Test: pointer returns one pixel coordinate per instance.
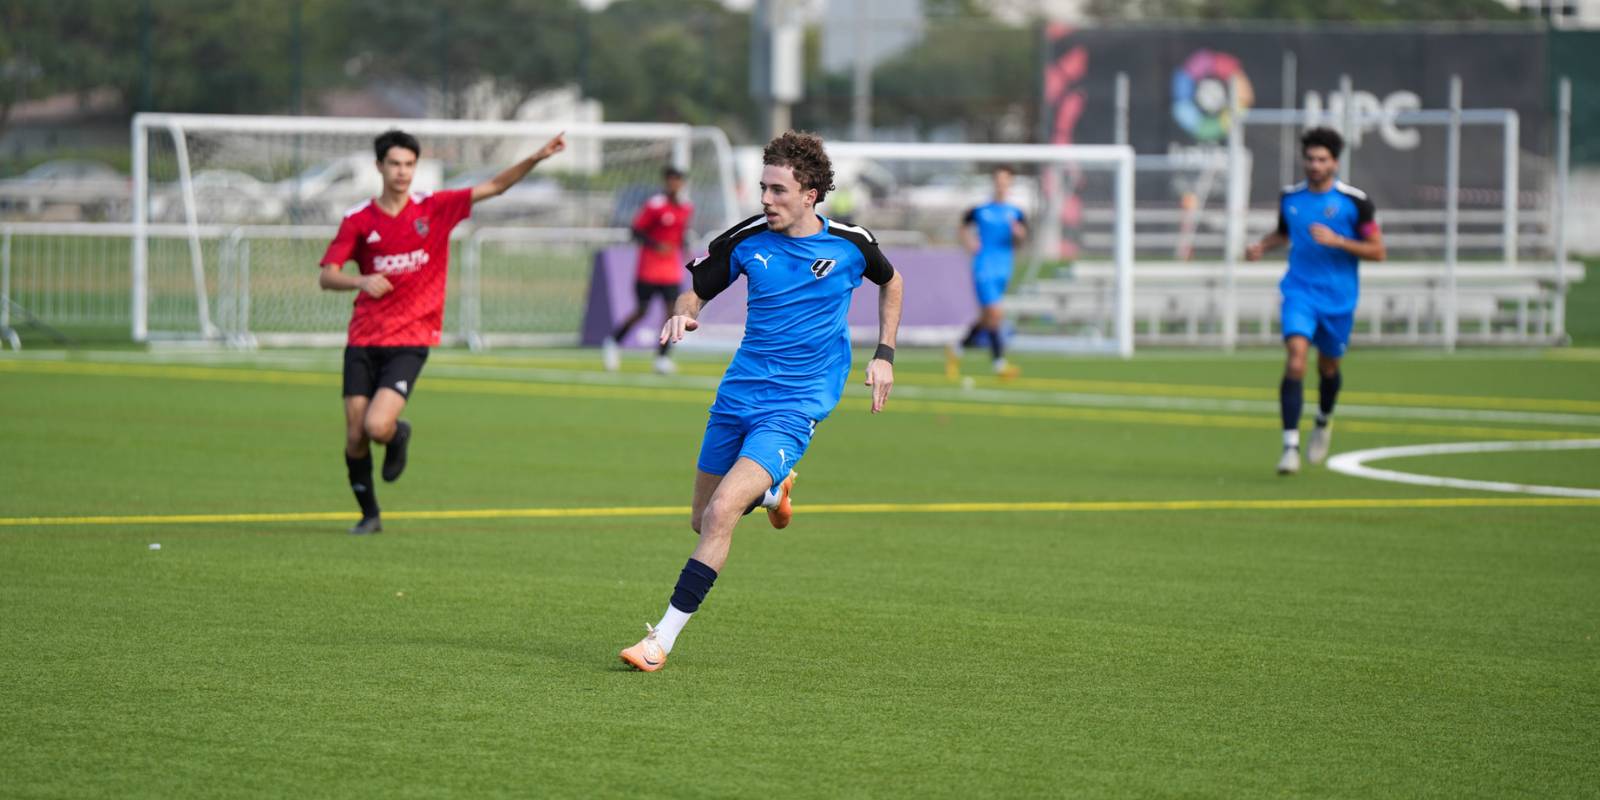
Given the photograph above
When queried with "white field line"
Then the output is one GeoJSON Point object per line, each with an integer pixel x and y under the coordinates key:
{"type": "Point", "coordinates": [1355, 464]}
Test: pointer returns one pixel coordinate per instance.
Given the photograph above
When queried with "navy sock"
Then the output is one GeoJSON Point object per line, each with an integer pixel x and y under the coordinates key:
{"type": "Point", "coordinates": [1328, 394]}
{"type": "Point", "coordinates": [996, 346]}
{"type": "Point", "coordinates": [693, 583]}
{"type": "Point", "coordinates": [1291, 394]}
{"type": "Point", "coordinates": [972, 335]}
{"type": "Point", "coordinates": [360, 472]}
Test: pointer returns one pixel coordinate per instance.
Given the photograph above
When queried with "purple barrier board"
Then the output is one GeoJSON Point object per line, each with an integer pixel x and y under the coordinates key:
{"type": "Point", "coordinates": [938, 294]}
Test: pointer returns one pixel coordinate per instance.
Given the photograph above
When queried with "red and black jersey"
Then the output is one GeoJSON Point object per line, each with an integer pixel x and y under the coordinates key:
{"type": "Point", "coordinates": [412, 250]}
{"type": "Point", "coordinates": [662, 220]}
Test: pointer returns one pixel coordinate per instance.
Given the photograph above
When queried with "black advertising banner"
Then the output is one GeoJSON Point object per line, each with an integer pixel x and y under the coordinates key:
{"type": "Point", "coordinates": [1179, 76]}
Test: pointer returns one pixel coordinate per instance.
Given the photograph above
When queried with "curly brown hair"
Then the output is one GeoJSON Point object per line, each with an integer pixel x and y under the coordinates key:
{"type": "Point", "coordinates": [802, 152]}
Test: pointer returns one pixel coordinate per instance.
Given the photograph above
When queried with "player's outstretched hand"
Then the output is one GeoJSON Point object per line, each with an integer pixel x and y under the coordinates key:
{"type": "Point", "coordinates": [676, 327]}
{"type": "Point", "coordinates": [553, 146]}
{"type": "Point", "coordinates": [880, 376]}
{"type": "Point", "coordinates": [376, 285]}
{"type": "Point", "coordinates": [1253, 251]}
{"type": "Point", "coordinates": [1324, 235]}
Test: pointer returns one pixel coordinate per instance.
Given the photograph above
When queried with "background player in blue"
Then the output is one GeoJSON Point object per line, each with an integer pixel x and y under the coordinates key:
{"type": "Point", "coordinates": [800, 270]}
{"type": "Point", "coordinates": [1329, 226]}
{"type": "Point", "coordinates": [991, 232]}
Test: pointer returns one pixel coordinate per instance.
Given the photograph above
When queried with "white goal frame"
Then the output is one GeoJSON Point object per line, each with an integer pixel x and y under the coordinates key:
{"type": "Point", "coordinates": [178, 126]}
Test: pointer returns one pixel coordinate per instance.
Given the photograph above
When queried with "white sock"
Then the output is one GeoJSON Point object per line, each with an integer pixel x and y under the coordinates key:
{"type": "Point", "coordinates": [1291, 438]}
{"type": "Point", "coordinates": [670, 626]}
{"type": "Point", "coordinates": [999, 364]}
{"type": "Point", "coordinates": [771, 498]}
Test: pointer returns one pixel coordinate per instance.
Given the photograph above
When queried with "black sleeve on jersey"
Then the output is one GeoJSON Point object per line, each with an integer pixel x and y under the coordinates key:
{"type": "Point", "coordinates": [1022, 217]}
{"type": "Point", "coordinates": [1365, 212]}
{"type": "Point", "coordinates": [878, 269]}
{"type": "Point", "coordinates": [970, 217]}
{"type": "Point", "coordinates": [1283, 222]}
{"type": "Point", "coordinates": [714, 272]}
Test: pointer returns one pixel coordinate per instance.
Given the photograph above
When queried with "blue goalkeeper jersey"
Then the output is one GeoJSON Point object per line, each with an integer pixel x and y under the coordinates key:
{"type": "Point", "coordinates": [992, 221]}
{"type": "Point", "coordinates": [1327, 277]}
{"type": "Point", "coordinates": [795, 355]}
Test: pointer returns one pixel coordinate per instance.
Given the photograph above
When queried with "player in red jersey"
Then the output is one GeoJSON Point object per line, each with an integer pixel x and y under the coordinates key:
{"type": "Point", "coordinates": [400, 242]}
{"type": "Point", "coordinates": [659, 229]}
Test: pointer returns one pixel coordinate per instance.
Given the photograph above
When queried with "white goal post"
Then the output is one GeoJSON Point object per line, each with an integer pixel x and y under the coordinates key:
{"type": "Point", "coordinates": [259, 197]}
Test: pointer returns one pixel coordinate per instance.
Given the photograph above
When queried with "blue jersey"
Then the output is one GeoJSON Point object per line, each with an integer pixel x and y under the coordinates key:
{"type": "Point", "coordinates": [796, 350]}
{"type": "Point", "coordinates": [1327, 277]}
{"type": "Point", "coordinates": [995, 237]}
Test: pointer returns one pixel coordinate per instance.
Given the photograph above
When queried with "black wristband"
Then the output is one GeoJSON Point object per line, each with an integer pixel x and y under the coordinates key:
{"type": "Point", "coordinates": [885, 353]}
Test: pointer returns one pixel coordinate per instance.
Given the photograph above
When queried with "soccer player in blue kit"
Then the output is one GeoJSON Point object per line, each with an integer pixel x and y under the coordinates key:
{"type": "Point", "coordinates": [800, 270]}
{"type": "Point", "coordinates": [991, 232]}
{"type": "Point", "coordinates": [1330, 226]}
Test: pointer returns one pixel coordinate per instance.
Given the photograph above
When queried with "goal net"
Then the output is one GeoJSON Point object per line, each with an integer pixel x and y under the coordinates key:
{"type": "Point", "coordinates": [1072, 282]}
{"type": "Point", "coordinates": [232, 213]}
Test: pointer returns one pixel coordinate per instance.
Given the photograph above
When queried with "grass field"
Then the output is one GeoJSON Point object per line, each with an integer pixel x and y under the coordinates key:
{"type": "Point", "coordinates": [1085, 583]}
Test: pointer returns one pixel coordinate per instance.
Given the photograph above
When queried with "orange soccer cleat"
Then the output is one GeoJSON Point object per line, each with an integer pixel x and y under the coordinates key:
{"type": "Point", "coordinates": [647, 655]}
{"type": "Point", "coordinates": [783, 512]}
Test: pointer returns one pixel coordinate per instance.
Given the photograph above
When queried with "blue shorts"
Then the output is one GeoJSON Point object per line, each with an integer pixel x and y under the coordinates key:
{"type": "Point", "coordinates": [775, 440]}
{"type": "Point", "coordinates": [990, 288]}
{"type": "Point", "coordinates": [1330, 333]}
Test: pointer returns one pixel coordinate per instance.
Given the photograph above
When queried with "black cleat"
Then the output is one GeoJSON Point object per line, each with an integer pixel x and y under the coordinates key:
{"type": "Point", "coordinates": [368, 525]}
{"type": "Point", "coordinates": [394, 455]}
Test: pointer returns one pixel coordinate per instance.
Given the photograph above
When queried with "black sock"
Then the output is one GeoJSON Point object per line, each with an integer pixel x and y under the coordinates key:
{"type": "Point", "coordinates": [616, 335]}
{"type": "Point", "coordinates": [360, 471]}
{"type": "Point", "coordinates": [1291, 394]}
{"type": "Point", "coordinates": [1327, 395]}
{"type": "Point", "coordinates": [693, 583]}
{"type": "Point", "coordinates": [996, 346]}
{"type": "Point", "coordinates": [972, 335]}
{"type": "Point", "coordinates": [662, 351]}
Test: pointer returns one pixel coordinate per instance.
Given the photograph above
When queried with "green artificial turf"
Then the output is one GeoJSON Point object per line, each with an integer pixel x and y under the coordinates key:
{"type": "Point", "coordinates": [1382, 647]}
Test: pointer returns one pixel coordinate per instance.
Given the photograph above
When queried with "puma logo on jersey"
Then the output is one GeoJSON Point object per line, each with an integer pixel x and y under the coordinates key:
{"type": "Point", "coordinates": [822, 266]}
{"type": "Point", "coordinates": [374, 238]}
{"type": "Point", "coordinates": [763, 259]}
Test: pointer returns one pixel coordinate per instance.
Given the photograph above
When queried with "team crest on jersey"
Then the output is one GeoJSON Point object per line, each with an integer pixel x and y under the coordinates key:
{"type": "Point", "coordinates": [822, 266]}
{"type": "Point", "coordinates": [422, 226]}
{"type": "Point", "coordinates": [1329, 211]}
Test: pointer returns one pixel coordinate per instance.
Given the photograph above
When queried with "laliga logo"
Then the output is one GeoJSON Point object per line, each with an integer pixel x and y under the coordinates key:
{"type": "Point", "coordinates": [1200, 93]}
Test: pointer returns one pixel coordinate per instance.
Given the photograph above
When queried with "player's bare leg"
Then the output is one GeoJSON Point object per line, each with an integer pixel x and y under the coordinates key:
{"type": "Point", "coordinates": [1327, 395]}
{"type": "Point", "coordinates": [1291, 395]}
{"type": "Point", "coordinates": [358, 464]}
{"type": "Point", "coordinates": [719, 503]}
{"type": "Point", "coordinates": [384, 426]}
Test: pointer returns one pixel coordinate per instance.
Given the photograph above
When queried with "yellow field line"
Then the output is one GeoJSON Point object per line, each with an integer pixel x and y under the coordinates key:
{"type": "Point", "coordinates": [702, 396]}
{"type": "Point", "coordinates": [1086, 506]}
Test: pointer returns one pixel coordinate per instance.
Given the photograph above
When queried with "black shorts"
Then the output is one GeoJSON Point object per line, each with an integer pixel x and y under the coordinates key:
{"type": "Point", "coordinates": [644, 291]}
{"type": "Point", "coordinates": [368, 369]}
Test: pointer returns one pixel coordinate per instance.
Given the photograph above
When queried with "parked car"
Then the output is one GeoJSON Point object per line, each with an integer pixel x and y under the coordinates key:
{"type": "Point", "coordinates": [220, 196]}
{"type": "Point", "coordinates": [323, 191]}
{"type": "Point", "coordinates": [69, 189]}
{"type": "Point", "coordinates": [528, 197]}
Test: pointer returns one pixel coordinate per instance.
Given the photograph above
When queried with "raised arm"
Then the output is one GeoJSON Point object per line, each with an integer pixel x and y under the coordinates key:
{"type": "Point", "coordinates": [496, 186]}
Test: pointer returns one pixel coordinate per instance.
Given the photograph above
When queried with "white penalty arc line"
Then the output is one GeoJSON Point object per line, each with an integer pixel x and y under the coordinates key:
{"type": "Point", "coordinates": [1354, 464]}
